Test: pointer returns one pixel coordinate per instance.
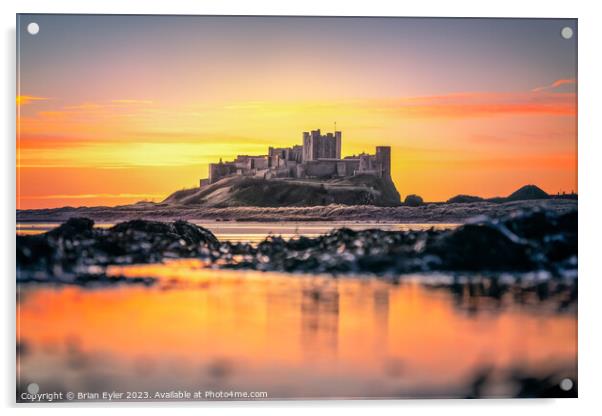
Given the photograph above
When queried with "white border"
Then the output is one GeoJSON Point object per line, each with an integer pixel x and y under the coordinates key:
{"type": "Point", "coordinates": [590, 137]}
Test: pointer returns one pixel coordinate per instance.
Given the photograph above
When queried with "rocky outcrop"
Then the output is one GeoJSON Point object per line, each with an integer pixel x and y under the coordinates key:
{"type": "Point", "coordinates": [258, 192]}
{"type": "Point", "coordinates": [464, 199]}
{"type": "Point", "coordinates": [527, 192]}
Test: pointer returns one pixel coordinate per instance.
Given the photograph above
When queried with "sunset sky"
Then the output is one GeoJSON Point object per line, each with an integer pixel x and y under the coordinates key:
{"type": "Point", "coordinates": [118, 109]}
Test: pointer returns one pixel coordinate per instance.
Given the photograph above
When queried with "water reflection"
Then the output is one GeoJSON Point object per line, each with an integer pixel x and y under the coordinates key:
{"type": "Point", "coordinates": [299, 336]}
{"type": "Point", "coordinates": [254, 232]}
{"type": "Point", "coordinates": [319, 322]}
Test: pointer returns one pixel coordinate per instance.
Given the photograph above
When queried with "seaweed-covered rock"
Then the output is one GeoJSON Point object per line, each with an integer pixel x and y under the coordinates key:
{"type": "Point", "coordinates": [76, 244]}
{"type": "Point", "coordinates": [194, 234]}
{"type": "Point", "coordinates": [487, 246]}
{"type": "Point", "coordinates": [524, 241]}
{"type": "Point", "coordinates": [73, 227]}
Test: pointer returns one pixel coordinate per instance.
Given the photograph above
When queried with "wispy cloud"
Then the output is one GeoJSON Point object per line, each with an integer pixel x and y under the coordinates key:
{"type": "Point", "coordinates": [26, 99]}
{"type": "Point", "coordinates": [83, 107]}
{"type": "Point", "coordinates": [108, 105]}
{"type": "Point", "coordinates": [37, 153]}
{"type": "Point", "coordinates": [555, 84]}
{"type": "Point", "coordinates": [456, 105]}
{"type": "Point", "coordinates": [476, 105]}
{"type": "Point", "coordinates": [132, 101]}
{"type": "Point", "coordinates": [88, 118]}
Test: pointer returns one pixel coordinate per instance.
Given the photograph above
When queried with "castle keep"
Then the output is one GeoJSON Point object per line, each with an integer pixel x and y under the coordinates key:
{"type": "Point", "coordinates": [318, 157]}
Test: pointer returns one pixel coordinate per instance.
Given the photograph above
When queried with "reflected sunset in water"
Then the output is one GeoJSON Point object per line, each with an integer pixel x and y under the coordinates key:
{"type": "Point", "coordinates": [290, 336]}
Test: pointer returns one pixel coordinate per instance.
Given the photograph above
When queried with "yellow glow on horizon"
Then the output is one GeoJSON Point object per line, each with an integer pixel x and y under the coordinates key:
{"type": "Point", "coordinates": [441, 146]}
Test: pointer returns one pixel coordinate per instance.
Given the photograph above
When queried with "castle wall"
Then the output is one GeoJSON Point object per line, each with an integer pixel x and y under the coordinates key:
{"type": "Point", "coordinates": [321, 168]}
{"type": "Point", "coordinates": [259, 163]}
{"type": "Point", "coordinates": [296, 154]}
{"type": "Point", "coordinates": [220, 170]}
{"type": "Point", "coordinates": [283, 156]}
{"type": "Point", "coordinates": [347, 167]}
{"type": "Point", "coordinates": [365, 163]}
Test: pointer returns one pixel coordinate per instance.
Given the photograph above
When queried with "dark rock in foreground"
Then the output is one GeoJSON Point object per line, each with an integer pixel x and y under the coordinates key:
{"type": "Point", "coordinates": [70, 249]}
{"type": "Point", "coordinates": [520, 243]}
{"type": "Point", "coordinates": [525, 241]}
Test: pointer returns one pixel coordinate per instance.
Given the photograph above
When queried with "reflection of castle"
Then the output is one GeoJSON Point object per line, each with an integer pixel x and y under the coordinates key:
{"type": "Point", "coordinates": [318, 157]}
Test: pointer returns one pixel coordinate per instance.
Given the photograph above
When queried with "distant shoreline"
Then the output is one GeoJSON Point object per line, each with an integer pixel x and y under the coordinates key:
{"type": "Point", "coordinates": [427, 213]}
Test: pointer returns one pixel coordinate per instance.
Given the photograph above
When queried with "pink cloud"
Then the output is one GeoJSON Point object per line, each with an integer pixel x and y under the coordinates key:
{"type": "Point", "coordinates": [555, 84]}
{"type": "Point", "coordinates": [470, 105]}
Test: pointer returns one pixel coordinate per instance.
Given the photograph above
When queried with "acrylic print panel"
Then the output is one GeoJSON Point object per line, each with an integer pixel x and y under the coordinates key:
{"type": "Point", "coordinates": [264, 208]}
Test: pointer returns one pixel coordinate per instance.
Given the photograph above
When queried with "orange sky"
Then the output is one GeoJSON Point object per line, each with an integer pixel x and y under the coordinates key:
{"type": "Point", "coordinates": [120, 126]}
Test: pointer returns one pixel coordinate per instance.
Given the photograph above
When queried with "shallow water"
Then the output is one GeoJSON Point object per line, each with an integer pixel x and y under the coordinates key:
{"type": "Point", "coordinates": [290, 336]}
{"type": "Point", "coordinates": [254, 232]}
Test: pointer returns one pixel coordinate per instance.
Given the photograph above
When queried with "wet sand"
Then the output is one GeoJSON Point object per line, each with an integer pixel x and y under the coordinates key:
{"type": "Point", "coordinates": [428, 213]}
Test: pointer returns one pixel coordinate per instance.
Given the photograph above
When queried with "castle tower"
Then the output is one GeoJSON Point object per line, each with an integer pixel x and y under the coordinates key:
{"type": "Point", "coordinates": [307, 147]}
{"type": "Point", "coordinates": [383, 160]}
{"type": "Point", "coordinates": [317, 146]}
{"type": "Point", "coordinates": [337, 138]}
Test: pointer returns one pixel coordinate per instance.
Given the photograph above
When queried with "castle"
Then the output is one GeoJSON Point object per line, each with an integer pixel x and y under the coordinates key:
{"type": "Point", "coordinates": [318, 157]}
